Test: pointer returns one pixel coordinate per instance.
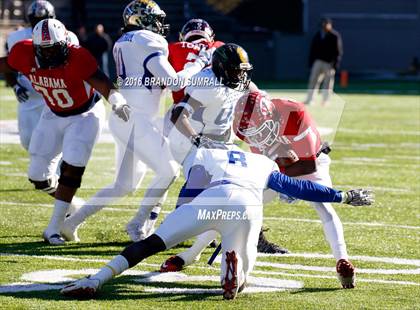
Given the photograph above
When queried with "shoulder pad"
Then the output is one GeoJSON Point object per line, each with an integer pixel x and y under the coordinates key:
{"type": "Point", "coordinates": [18, 35]}
{"type": "Point", "coordinates": [151, 41]}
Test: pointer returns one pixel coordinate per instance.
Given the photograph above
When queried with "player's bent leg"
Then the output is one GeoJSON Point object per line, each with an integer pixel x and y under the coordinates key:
{"type": "Point", "coordinates": [167, 235]}
{"type": "Point", "coordinates": [130, 173]}
{"type": "Point", "coordinates": [68, 183]}
{"type": "Point", "coordinates": [153, 199]}
{"type": "Point", "coordinates": [239, 246]}
{"type": "Point", "coordinates": [129, 257]}
{"type": "Point", "coordinates": [194, 252]}
{"type": "Point", "coordinates": [191, 255]}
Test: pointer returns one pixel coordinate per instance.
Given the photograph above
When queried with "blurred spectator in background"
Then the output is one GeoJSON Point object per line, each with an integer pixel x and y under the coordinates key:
{"type": "Point", "coordinates": [414, 66]}
{"type": "Point", "coordinates": [324, 59]}
{"type": "Point", "coordinates": [100, 44]}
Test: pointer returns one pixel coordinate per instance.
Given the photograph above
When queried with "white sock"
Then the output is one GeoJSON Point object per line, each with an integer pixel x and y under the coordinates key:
{"type": "Point", "coordinates": [194, 252]}
{"type": "Point", "coordinates": [57, 218]}
{"type": "Point", "coordinates": [112, 269]}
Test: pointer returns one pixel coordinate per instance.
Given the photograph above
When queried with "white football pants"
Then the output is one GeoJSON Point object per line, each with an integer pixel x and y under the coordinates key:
{"type": "Point", "coordinates": [333, 228]}
{"type": "Point", "coordinates": [239, 231]}
{"type": "Point", "coordinates": [139, 144]}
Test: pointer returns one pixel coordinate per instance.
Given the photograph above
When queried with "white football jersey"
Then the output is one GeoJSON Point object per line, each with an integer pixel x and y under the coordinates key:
{"type": "Point", "coordinates": [35, 99]}
{"type": "Point", "coordinates": [218, 104]}
{"type": "Point", "coordinates": [132, 52]}
{"type": "Point", "coordinates": [248, 170]}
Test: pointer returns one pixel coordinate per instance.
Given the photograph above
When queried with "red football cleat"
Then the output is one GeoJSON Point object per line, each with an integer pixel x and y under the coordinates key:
{"type": "Point", "coordinates": [346, 273]}
{"type": "Point", "coordinates": [230, 282]}
{"type": "Point", "coordinates": [172, 264]}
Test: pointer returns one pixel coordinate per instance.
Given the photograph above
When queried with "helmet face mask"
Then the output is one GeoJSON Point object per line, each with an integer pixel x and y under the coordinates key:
{"type": "Point", "coordinates": [39, 10]}
{"type": "Point", "coordinates": [231, 66]}
{"type": "Point", "coordinates": [51, 56]}
{"type": "Point", "coordinates": [256, 121]}
{"type": "Point", "coordinates": [145, 15]}
{"type": "Point", "coordinates": [196, 29]}
{"type": "Point", "coordinates": [263, 136]}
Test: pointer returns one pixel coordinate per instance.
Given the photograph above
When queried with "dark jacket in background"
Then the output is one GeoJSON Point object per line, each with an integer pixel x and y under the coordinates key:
{"type": "Point", "coordinates": [97, 45]}
{"type": "Point", "coordinates": [328, 48]}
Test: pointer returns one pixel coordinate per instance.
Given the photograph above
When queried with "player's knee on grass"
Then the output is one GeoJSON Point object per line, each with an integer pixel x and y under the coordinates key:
{"type": "Point", "coordinates": [140, 250]}
{"type": "Point", "coordinates": [70, 176]}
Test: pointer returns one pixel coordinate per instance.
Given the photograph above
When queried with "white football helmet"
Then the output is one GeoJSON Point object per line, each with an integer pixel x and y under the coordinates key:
{"type": "Point", "coordinates": [50, 40]}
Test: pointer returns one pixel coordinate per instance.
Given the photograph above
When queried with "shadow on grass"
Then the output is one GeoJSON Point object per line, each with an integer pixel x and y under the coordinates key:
{"type": "Point", "coordinates": [118, 290]}
{"type": "Point", "coordinates": [315, 290]}
{"type": "Point", "coordinates": [77, 249]}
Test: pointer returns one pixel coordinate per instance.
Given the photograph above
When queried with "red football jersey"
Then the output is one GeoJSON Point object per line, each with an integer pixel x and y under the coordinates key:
{"type": "Point", "coordinates": [63, 88]}
{"type": "Point", "coordinates": [297, 130]}
{"type": "Point", "coordinates": [180, 53]}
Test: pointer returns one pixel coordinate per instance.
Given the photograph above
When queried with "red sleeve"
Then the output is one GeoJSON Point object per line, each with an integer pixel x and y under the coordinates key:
{"type": "Point", "coordinates": [19, 56]}
{"type": "Point", "coordinates": [170, 52]}
{"type": "Point", "coordinates": [84, 63]}
{"type": "Point", "coordinates": [307, 141]}
{"type": "Point", "coordinates": [300, 129]}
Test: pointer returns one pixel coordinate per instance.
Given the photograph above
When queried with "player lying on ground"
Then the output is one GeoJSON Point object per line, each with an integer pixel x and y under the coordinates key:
{"type": "Point", "coordinates": [66, 76]}
{"type": "Point", "coordinates": [140, 143]}
{"type": "Point", "coordinates": [234, 181]}
{"type": "Point", "coordinates": [285, 132]}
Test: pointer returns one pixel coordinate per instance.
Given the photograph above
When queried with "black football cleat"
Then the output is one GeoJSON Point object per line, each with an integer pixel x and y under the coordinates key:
{"type": "Point", "coordinates": [265, 246]}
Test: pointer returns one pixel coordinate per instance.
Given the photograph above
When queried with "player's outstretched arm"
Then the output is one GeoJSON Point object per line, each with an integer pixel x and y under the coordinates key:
{"type": "Point", "coordinates": [307, 190]}
{"type": "Point", "coordinates": [104, 86]}
{"type": "Point", "coordinates": [161, 68]}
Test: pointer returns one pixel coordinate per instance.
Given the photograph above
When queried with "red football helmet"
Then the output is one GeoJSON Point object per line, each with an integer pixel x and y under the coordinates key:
{"type": "Point", "coordinates": [256, 120]}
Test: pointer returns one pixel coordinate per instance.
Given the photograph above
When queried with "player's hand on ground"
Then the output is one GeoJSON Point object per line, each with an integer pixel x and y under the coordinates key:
{"type": "Point", "coordinates": [359, 197]}
{"type": "Point", "coordinates": [122, 111]}
{"type": "Point", "coordinates": [21, 93]}
{"type": "Point", "coordinates": [84, 288]}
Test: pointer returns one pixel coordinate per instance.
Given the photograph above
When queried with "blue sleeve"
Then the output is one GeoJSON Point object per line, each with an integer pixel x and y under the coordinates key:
{"type": "Point", "coordinates": [302, 189]}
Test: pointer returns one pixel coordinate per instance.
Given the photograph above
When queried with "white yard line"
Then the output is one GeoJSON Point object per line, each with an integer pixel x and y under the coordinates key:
{"type": "Point", "coordinates": [268, 218]}
{"type": "Point", "coordinates": [380, 132]}
{"type": "Point", "coordinates": [54, 276]}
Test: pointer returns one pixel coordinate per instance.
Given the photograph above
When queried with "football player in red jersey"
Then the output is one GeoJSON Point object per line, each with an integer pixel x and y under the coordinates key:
{"type": "Point", "coordinates": [284, 131]}
{"type": "Point", "coordinates": [195, 35]}
{"type": "Point", "coordinates": [66, 76]}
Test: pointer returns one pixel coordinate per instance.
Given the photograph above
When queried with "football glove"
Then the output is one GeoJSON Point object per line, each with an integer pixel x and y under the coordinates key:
{"type": "Point", "coordinates": [84, 288]}
{"type": "Point", "coordinates": [119, 105]}
{"type": "Point", "coordinates": [204, 56]}
{"type": "Point", "coordinates": [21, 93]}
{"type": "Point", "coordinates": [359, 197]}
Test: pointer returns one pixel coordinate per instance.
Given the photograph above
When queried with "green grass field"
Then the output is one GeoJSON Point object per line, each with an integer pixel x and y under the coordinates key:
{"type": "Point", "coordinates": [377, 146]}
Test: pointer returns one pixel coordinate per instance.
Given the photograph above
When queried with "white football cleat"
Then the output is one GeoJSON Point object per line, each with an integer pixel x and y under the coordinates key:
{"type": "Point", "coordinates": [84, 288]}
{"type": "Point", "coordinates": [133, 230]}
{"type": "Point", "coordinates": [69, 231]}
{"type": "Point", "coordinates": [53, 238]}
